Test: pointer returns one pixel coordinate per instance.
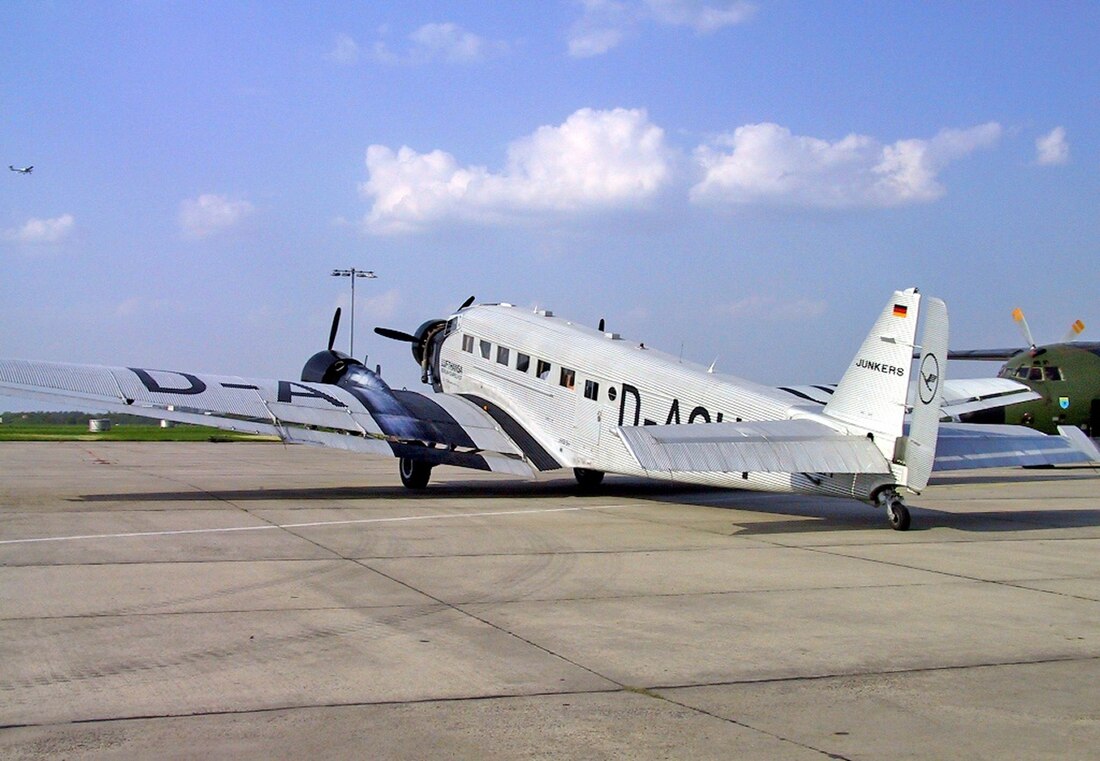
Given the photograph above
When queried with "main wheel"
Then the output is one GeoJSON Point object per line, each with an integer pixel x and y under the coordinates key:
{"type": "Point", "coordinates": [415, 473]}
{"type": "Point", "coordinates": [588, 479]}
{"type": "Point", "coordinates": [898, 515]}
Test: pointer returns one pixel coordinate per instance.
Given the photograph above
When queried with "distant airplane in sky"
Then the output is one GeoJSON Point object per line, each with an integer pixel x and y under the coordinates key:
{"type": "Point", "coordinates": [21, 170]}
{"type": "Point", "coordinates": [521, 392]}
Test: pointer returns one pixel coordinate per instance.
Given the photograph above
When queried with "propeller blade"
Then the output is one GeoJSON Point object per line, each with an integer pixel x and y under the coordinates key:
{"type": "Point", "coordinates": [1074, 331]}
{"type": "Point", "coordinates": [335, 327]}
{"type": "Point", "coordinates": [1018, 316]}
{"type": "Point", "coordinates": [466, 303]}
{"type": "Point", "coordinates": [396, 335]}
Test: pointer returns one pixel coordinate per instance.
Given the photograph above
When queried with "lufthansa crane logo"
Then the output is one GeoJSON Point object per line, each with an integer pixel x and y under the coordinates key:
{"type": "Point", "coordinates": [929, 382]}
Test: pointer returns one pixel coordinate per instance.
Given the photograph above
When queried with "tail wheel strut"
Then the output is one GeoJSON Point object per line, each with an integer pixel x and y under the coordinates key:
{"type": "Point", "coordinates": [896, 511]}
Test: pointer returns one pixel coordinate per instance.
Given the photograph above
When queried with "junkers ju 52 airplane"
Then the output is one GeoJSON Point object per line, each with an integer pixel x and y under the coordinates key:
{"type": "Point", "coordinates": [519, 391]}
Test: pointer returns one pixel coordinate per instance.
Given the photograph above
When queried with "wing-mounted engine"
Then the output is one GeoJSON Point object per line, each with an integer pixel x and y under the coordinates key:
{"type": "Point", "coordinates": [329, 366]}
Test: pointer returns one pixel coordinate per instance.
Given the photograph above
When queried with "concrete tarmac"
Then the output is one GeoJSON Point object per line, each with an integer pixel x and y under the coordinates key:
{"type": "Point", "coordinates": [259, 601]}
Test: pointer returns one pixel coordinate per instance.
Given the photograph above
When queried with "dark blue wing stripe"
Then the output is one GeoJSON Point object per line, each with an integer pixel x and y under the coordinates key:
{"type": "Point", "coordinates": [538, 456]}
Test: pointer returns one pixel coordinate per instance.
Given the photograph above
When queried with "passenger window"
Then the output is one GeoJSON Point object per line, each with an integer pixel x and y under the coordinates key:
{"type": "Point", "coordinates": [502, 355]}
{"type": "Point", "coordinates": [568, 377]}
{"type": "Point", "coordinates": [1052, 373]}
{"type": "Point", "coordinates": [468, 344]}
{"type": "Point", "coordinates": [591, 389]}
{"type": "Point", "coordinates": [543, 369]}
{"type": "Point", "coordinates": [486, 349]}
{"type": "Point", "coordinates": [523, 362]}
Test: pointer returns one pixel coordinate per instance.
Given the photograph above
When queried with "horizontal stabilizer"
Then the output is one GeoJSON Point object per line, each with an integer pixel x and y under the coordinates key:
{"type": "Point", "coordinates": [963, 446]}
{"type": "Point", "coordinates": [779, 446]}
{"type": "Point", "coordinates": [965, 395]}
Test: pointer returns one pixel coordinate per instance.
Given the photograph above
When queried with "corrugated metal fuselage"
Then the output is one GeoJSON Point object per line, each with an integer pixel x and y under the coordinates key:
{"type": "Point", "coordinates": [571, 387]}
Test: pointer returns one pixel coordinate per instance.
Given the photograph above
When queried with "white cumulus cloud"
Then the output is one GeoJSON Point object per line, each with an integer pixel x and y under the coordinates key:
{"type": "Point", "coordinates": [35, 231]}
{"type": "Point", "coordinates": [595, 159]}
{"type": "Point", "coordinates": [604, 24]}
{"type": "Point", "coordinates": [210, 214]}
{"type": "Point", "coordinates": [1052, 148]}
{"type": "Point", "coordinates": [344, 51]}
{"type": "Point", "coordinates": [703, 17]}
{"type": "Point", "coordinates": [441, 41]}
{"type": "Point", "coordinates": [767, 163]}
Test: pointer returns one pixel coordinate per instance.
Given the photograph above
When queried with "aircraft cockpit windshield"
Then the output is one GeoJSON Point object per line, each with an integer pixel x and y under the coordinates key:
{"type": "Point", "coordinates": [1034, 373]}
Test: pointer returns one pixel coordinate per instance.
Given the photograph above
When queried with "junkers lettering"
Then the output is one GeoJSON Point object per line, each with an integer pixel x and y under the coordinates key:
{"type": "Point", "coordinates": [880, 367]}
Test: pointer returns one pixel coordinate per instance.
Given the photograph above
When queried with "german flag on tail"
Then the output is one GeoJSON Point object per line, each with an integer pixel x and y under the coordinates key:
{"type": "Point", "coordinates": [900, 310]}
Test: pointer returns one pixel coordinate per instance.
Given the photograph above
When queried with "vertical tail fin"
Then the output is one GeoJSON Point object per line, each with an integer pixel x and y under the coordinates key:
{"type": "Point", "coordinates": [872, 396]}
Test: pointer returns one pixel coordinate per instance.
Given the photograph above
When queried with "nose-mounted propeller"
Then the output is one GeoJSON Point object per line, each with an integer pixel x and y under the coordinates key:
{"type": "Point", "coordinates": [421, 339]}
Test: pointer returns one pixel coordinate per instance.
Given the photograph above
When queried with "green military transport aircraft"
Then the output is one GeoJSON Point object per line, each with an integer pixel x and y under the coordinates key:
{"type": "Point", "coordinates": [1065, 375]}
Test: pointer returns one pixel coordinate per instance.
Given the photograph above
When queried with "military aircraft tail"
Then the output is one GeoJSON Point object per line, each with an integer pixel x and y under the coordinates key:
{"type": "Point", "coordinates": [878, 389]}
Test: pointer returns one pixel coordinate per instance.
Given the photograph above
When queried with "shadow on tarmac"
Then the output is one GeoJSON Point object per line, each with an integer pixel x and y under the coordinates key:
{"type": "Point", "coordinates": [807, 514]}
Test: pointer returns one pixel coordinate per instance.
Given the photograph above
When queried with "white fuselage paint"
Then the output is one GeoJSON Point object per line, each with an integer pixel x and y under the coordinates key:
{"type": "Point", "coordinates": [636, 385]}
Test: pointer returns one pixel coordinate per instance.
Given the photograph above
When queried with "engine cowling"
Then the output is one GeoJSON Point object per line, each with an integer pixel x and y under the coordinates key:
{"type": "Point", "coordinates": [424, 335]}
{"type": "Point", "coordinates": [328, 366]}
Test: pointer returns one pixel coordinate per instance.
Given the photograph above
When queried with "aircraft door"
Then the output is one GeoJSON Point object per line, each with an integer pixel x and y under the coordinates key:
{"type": "Point", "coordinates": [588, 418]}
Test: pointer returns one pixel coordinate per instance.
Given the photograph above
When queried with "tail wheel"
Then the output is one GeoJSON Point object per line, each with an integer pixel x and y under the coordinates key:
{"type": "Point", "coordinates": [898, 514]}
{"type": "Point", "coordinates": [414, 473]}
{"type": "Point", "coordinates": [896, 511]}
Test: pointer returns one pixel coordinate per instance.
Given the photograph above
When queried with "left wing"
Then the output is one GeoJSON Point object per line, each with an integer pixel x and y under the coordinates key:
{"type": "Point", "coordinates": [365, 417]}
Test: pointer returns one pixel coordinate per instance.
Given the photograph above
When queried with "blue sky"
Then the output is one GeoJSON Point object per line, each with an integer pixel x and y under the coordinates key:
{"type": "Point", "coordinates": [740, 180]}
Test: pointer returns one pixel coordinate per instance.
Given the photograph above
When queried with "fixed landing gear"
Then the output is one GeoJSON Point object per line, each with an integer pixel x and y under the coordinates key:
{"type": "Point", "coordinates": [896, 511]}
{"type": "Point", "coordinates": [415, 473]}
{"type": "Point", "coordinates": [588, 479]}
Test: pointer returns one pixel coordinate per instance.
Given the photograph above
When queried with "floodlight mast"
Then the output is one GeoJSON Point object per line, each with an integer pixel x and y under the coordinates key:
{"type": "Point", "coordinates": [353, 273]}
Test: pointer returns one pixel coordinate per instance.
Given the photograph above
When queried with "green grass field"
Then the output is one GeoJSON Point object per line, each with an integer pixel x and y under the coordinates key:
{"type": "Point", "coordinates": [17, 431]}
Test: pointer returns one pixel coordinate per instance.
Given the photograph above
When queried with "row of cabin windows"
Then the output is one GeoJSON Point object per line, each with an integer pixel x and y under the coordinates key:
{"type": "Point", "coordinates": [566, 377]}
{"type": "Point", "coordinates": [1036, 373]}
